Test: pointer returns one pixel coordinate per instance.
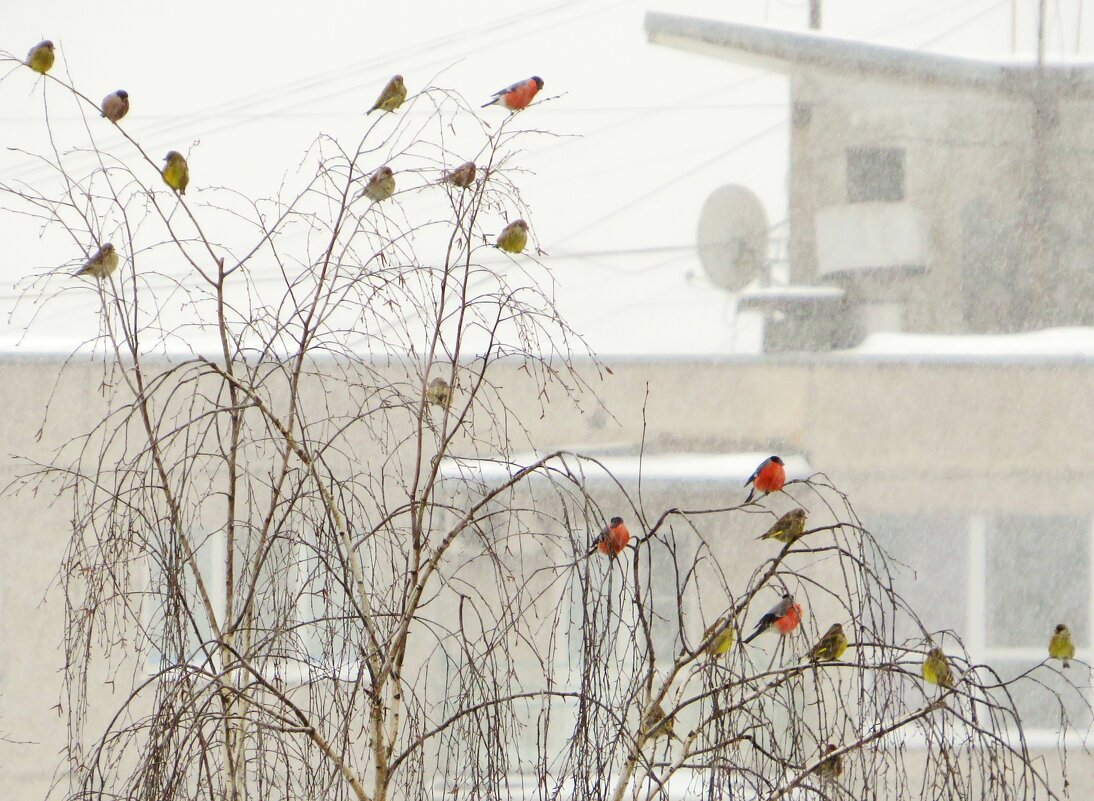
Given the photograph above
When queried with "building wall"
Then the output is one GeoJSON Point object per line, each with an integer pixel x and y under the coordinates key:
{"type": "Point", "coordinates": [1007, 249]}
{"type": "Point", "coordinates": [906, 439]}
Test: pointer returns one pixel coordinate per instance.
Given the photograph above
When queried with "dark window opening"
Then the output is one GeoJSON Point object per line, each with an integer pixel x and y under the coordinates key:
{"type": "Point", "coordinates": [875, 174]}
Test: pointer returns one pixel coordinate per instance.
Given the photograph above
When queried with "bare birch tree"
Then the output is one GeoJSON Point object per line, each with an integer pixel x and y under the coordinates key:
{"type": "Point", "coordinates": [319, 574]}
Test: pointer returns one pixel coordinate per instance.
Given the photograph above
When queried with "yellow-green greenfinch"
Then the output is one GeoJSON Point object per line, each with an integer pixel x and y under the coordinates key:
{"type": "Point", "coordinates": [462, 176]}
{"type": "Point", "coordinates": [513, 237]}
{"type": "Point", "coordinates": [439, 393]}
{"type": "Point", "coordinates": [831, 646]}
{"type": "Point", "coordinates": [722, 642]}
{"type": "Point", "coordinates": [1061, 646]}
{"type": "Point", "coordinates": [830, 768]}
{"type": "Point", "coordinates": [392, 95]}
{"type": "Point", "coordinates": [176, 173]}
{"type": "Point", "coordinates": [40, 58]}
{"type": "Point", "coordinates": [101, 264]}
{"type": "Point", "coordinates": [787, 528]}
{"type": "Point", "coordinates": [936, 669]}
{"type": "Point", "coordinates": [655, 724]}
{"type": "Point", "coordinates": [381, 185]}
{"type": "Point", "coordinates": [116, 105]}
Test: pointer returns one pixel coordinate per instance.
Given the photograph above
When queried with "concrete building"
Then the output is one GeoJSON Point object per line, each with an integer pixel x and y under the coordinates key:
{"type": "Point", "coordinates": [929, 194]}
{"type": "Point", "coordinates": [941, 194]}
{"type": "Point", "coordinates": [952, 462]}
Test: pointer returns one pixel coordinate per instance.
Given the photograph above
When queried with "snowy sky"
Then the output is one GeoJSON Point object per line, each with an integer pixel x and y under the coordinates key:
{"type": "Point", "coordinates": [649, 131]}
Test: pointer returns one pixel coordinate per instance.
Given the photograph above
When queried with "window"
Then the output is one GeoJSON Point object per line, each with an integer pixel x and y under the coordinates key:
{"type": "Point", "coordinates": [1002, 582]}
{"type": "Point", "coordinates": [1036, 565]}
{"type": "Point", "coordinates": [299, 597]}
{"type": "Point", "coordinates": [875, 174]}
{"type": "Point", "coordinates": [167, 627]}
{"type": "Point", "coordinates": [934, 547]}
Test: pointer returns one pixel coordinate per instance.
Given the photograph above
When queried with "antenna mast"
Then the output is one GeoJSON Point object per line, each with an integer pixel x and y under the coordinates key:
{"type": "Point", "coordinates": [1042, 10]}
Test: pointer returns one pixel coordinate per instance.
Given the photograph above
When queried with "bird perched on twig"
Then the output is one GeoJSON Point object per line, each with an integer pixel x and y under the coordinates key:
{"type": "Point", "coordinates": [513, 237]}
{"type": "Point", "coordinates": [391, 97]}
{"type": "Point", "coordinates": [830, 647]}
{"type": "Point", "coordinates": [41, 56]}
{"type": "Point", "coordinates": [787, 528]}
{"type": "Point", "coordinates": [655, 724]}
{"type": "Point", "coordinates": [936, 669]}
{"type": "Point", "coordinates": [517, 96]}
{"type": "Point", "coordinates": [439, 393]}
{"type": "Point", "coordinates": [831, 768]}
{"type": "Point", "coordinates": [462, 176]}
{"type": "Point", "coordinates": [101, 264]}
{"type": "Point", "coordinates": [784, 616]}
{"type": "Point", "coordinates": [1061, 646]}
{"type": "Point", "coordinates": [722, 641]}
{"type": "Point", "coordinates": [176, 172]}
{"type": "Point", "coordinates": [613, 538]}
{"type": "Point", "coordinates": [381, 185]}
{"type": "Point", "coordinates": [767, 478]}
{"type": "Point", "coordinates": [115, 105]}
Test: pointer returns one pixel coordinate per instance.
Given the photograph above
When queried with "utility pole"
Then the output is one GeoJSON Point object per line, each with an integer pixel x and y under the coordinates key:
{"type": "Point", "coordinates": [815, 14]}
{"type": "Point", "coordinates": [1042, 11]}
{"type": "Point", "coordinates": [1013, 26]}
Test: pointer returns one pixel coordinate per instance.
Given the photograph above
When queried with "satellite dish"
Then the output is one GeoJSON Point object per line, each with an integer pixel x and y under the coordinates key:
{"type": "Point", "coordinates": [732, 236]}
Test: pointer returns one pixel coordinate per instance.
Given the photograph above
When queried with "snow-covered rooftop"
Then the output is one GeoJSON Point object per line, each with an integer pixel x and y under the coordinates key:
{"type": "Point", "coordinates": [1048, 343]}
{"type": "Point", "coordinates": [783, 51]}
{"type": "Point", "coordinates": [729, 467]}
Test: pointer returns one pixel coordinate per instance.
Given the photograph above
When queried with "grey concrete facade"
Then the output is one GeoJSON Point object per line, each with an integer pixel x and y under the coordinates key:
{"type": "Point", "coordinates": [935, 451]}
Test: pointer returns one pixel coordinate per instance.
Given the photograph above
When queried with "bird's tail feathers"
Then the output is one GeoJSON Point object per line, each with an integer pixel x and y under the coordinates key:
{"type": "Point", "coordinates": [755, 634]}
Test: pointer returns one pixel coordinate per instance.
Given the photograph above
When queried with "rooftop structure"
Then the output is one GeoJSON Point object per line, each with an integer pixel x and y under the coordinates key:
{"type": "Point", "coordinates": [940, 194]}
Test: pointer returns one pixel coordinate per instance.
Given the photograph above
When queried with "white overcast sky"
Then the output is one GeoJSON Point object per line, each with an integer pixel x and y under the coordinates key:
{"type": "Point", "coordinates": [245, 87]}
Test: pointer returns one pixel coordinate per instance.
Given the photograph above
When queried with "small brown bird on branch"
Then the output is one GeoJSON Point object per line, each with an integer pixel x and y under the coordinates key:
{"type": "Point", "coordinates": [1061, 646]}
{"type": "Point", "coordinates": [787, 528]}
{"type": "Point", "coordinates": [831, 646]}
{"type": "Point", "coordinates": [936, 669]}
{"type": "Point", "coordinates": [655, 724]}
{"type": "Point", "coordinates": [513, 237]}
{"type": "Point", "coordinates": [101, 264]}
{"type": "Point", "coordinates": [462, 176]}
{"type": "Point", "coordinates": [722, 642]}
{"type": "Point", "coordinates": [831, 768]}
{"type": "Point", "coordinates": [381, 185]}
{"type": "Point", "coordinates": [116, 105]}
{"type": "Point", "coordinates": [176, 172]}
{"type": "Point", "coordinates": [391, 96]}
{"type": "Point", "coordinates": [438, 393]}
{"type": "Point", "coordinates": [41, 56]}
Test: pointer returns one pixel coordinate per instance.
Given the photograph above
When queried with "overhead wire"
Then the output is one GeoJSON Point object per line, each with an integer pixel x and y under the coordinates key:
{"type": "Point", "coordinates": [641, 112]}
{"type": "Point", "coordinates": [630, 203]}
{"type": "Point", "coordinates": [191, 122]}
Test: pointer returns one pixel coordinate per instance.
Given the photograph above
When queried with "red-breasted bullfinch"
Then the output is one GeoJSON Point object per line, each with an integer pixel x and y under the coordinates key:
{"type": "Point", "coordinates": [768, 477]}
{"type": "Point", "coordinates": [784, 616]}
{"type": "Point", "coordinates": [614, 538]}
{"type": "Point", "coordinates": [517, 96]}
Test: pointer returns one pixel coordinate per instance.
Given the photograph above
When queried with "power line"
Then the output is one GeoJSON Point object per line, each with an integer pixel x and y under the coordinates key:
{"type": "Point", "coordinates": [230, 109]}
{"type": "Point", "coordinates": [659, 187]}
